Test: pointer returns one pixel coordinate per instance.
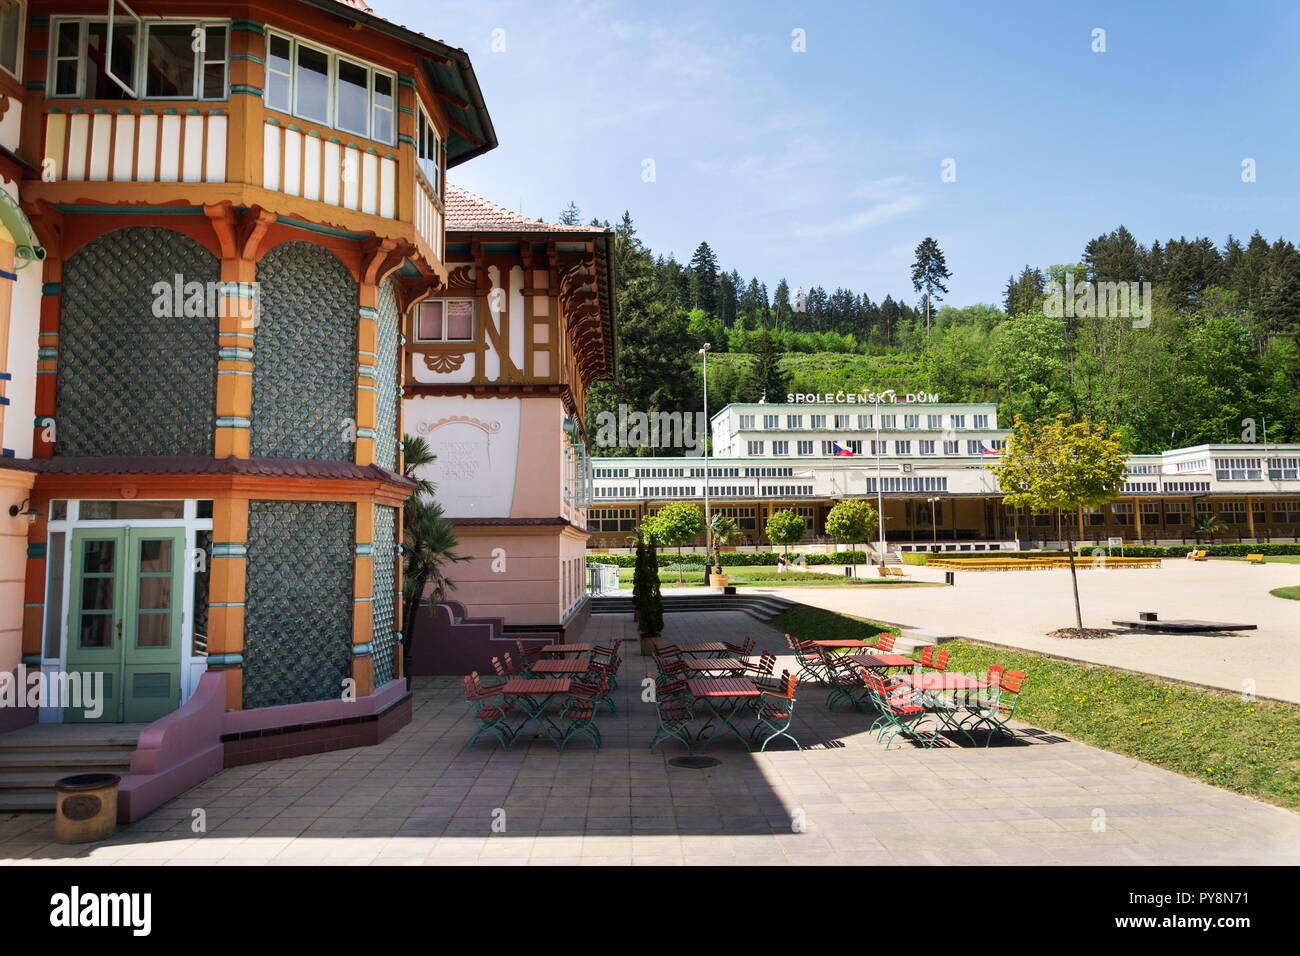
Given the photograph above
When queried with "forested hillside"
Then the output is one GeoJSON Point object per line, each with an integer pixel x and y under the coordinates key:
{"type": "Point", "coordinates": [1220, 346]}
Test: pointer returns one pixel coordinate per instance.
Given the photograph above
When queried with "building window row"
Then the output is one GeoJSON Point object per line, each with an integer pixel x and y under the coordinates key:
{"type": "Point", "coordinates": [786, 491]}
{"type": "Point", "coordinates": [141, 59]}
{"type": "Point", "coordinates": [914, 483]}
{"type": "Point", "coordinates": [318, 84]}
{"type": "Point", "coordinates": [1237, 469]}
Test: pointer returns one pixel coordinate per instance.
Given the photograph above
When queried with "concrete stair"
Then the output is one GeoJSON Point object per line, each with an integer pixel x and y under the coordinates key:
{"type": "Point", "coordinates": [761, 607]}
{"type": "Point", "coordinates": [34, 759]}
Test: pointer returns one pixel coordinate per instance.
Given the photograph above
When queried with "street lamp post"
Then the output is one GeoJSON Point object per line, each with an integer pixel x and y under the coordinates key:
{"type": "Point", "coordinates": [880, 496]}
{"type": "Point", "coordinates": [708, 534]}
{"type": "Point", "coordinates": [934, 520]}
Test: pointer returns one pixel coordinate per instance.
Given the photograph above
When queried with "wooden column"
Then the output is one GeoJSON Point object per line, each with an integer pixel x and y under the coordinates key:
{"type": "Point", "coordinates": [227, 594]}
{"type": "Point", "coordinates": [1250, 516]}
{"type": "Point", "coordinates": [363, 599]}
{"type": "Point", "coordinates": [1137, 517]}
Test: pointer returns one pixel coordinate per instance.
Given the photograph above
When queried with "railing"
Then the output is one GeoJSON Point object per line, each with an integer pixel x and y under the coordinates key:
{"type": "Point", "coordinates": [107, 141]}
{"type": "Point", "coordinates": [322, 164]}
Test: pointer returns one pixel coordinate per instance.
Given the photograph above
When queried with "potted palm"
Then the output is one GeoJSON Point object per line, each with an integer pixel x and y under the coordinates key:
{"type": "Point", "coordinates": [722, 531]}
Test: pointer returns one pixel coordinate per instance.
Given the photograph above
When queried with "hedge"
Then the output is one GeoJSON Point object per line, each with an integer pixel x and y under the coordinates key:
{"type": "Point", "coordinates": [1128, 551]}
{"type": "Point", "coordinates": [734, 558]}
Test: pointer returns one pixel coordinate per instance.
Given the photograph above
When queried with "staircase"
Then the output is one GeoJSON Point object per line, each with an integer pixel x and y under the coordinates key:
{"type": "Point", "coordinates": [34, 758]}
{"type": "Point", "coordinates": [761, 607]}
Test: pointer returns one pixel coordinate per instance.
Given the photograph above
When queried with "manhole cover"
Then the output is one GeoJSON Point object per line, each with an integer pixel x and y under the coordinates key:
{"type": "Point", "coordinates": [695, 763]}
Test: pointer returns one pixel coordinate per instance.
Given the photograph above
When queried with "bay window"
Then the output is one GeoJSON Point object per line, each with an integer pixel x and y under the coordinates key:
{"type": "Point", "coordinates": [328, 88]}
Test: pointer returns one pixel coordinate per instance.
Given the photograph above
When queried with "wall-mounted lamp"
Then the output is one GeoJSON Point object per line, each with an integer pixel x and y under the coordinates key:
{"type": "Point", "coordinates": [24, 509]}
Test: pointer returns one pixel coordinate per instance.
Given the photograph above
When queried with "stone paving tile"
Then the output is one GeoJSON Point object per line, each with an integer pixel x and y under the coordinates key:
{"type": "Point", "coordinates": [421, 798]}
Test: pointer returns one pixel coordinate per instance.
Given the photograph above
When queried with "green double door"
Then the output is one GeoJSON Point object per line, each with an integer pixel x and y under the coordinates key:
{"type": "Point", "coordinates": [124, 622]}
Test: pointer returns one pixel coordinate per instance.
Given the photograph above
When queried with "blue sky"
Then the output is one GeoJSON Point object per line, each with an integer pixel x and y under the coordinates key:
{"type": "Point", "coordinates": [825, 166]}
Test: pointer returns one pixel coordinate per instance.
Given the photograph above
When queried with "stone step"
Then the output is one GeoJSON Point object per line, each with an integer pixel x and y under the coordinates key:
{"type": "Point", "coordinates": [20, 801]}
{"type": "Point", "coordinates": [912, 638]}
{"type": "Point", "coordinates": [73, 761]}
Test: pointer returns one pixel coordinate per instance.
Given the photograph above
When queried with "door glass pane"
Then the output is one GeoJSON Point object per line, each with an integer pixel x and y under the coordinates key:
{"type": "Point", "coordinates": [156, 555]}
{"type": "Point", "coordinates": [119, 509]}
{"type": "Point", "coordinates": [312, 82]}
{"type": "Point", "coordinates": [199, 611]}
{"type": "Point", "coordinates": [96, 630]}
{"type": "Point", "coordinates": [98, 556]}
{"type": "Point", "coordinates": [97, 593]}
{"type": "Point", "coordinates": [170, 67]}
{"type": "Point", "coordinates": [152, 630]}
{"type": "Point", "coordinates": [156, 593]}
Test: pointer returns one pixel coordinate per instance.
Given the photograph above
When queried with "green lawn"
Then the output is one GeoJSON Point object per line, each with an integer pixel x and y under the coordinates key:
{"type": "Point", "coordinates": [1292, 593]}
{"type": "Point", "coordinates": [748, 575]}
{"type": "Point", "coordinates": [1215, 736]}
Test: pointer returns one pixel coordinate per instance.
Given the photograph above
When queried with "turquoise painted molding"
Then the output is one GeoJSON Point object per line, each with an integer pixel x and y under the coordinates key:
{"type": "Point", "coordinates": [31, 660]}
{"type": "Point", "coordinates": [235, 355]}
{"type": "Point", "coordinates": [250, 26]}
{"type": "Point", "coordinates": [365, 548]}
{"type": "Point", "coordinates": [364, 600]}
{"type": "Point", "coordinates": [47, 353]}
{"type": "Point", "coordinates": [362, 650]}
{"type": "Point", "coordinates": [229, 549]}
{"type": "Point", "coordinates": [368, 312]}
{"type": "Point", "coordinates": [51, 288]}
{"type": "Point", "coordinates": [225, 660]}
{"type": "Point", "coordinates": [247, 56]}
{"type": "Point", "coordinates": [234, 423]}
{"type": "Point", "coordinates": [246, 89]}
{"type": "Point", "coordinates": [366, 371]}
{"type": "Point", "coordinates": [365, 432]}
{"type": "Point", "coordinates": [36, 549]}
{"type": "Point", "coordinates": [226, 604]}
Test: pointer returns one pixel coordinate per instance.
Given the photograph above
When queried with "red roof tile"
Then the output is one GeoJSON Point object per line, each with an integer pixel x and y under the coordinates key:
{"type": "Point", "coordinates": [469, 213]}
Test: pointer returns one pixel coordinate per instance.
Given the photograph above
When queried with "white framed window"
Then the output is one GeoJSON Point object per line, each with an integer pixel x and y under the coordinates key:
{"type": "Point", "coordinates": [1237, 469]}
{"type": "Point", "coordinates": [828, 448]}
{"type": "Point", "coordinates": [819, 421]}
{"type": "Point", "coordinates": [957, 421]}
{"type": "Point", "coordinates": [794, 421]}
{"type": "Point", "coordinates": [927, 447]}
{"type": "Point", "coordinates": [934, 421]}
{"type": "Point", "coordinates": [841, 421]}
{"type": "Point", "coordinates": [950, 448]}
{"type": "Point", "coordinates": [755, 448]}
{"type": "Point", "coordinates": [902, 448]}
{"type": "Point", "coordinates": [879, 447]}
{"type": "Point", "coordinates": [805, 448]}
{"type": "Point", "coordinates": [911, 421]}
{"type": "Point", "coordinates": [771, 421]}
{"type": "Point", "coordinates": [12, 22]}
{"type": "Point", "coordinates": [780, 448]}
{"type": "Point", "coordinates": [746, 421]}
{"type": "Point", "coordinates": [1282, 468]}
{"type": "Point", "coordinates": [854, 445]}
{"type": "Point", "coordinates": [429, 156]}
{"type": "Point", "coordinates": [444, 320]}
{"type": "Point", "coordinates": [321, 85]}
{"type": "Point", "coordinates": [888, 421]}
{"type": "Point", "coordinates": [981, 421]}
{"type": "Point", "coordinates": [864, 421]}
{"type": "Point", "coordinates": [178, 59]}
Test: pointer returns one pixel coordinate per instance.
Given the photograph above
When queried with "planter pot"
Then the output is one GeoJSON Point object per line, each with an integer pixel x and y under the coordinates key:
{"type": "Point", "coordinates": [717, 581]}
{"type": "Point", "coordinates": [649, 645]}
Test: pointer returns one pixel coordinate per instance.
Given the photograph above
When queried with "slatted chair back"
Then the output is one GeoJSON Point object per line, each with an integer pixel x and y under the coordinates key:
{"type": "Point", "coordinates": [499, 668]}
{"type": "Point", "coordinates": [995, 674]}
{"type": "Point", "coordinates": [927, 656]}
{"type": "Point", "coordinates": [886, 642]}
{"type": "Point", "coordinates": [941, 660]}
{"type": "Point", "coordinates": [1012, 681]}
{"type": "Point", "coordinates": [766, 664]}
{"type": "Point", "coordinates": [745, 649]}
{"type": "Point", "coordinates": [789, 684]}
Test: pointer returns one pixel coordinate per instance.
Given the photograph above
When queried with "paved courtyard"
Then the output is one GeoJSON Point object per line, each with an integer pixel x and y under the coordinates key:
{"type": "Point", "coordinates": [1018, 608]}
{"type": "Point", "coordinates": [422, 798]}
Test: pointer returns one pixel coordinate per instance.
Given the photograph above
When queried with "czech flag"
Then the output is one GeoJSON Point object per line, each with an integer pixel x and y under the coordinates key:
{"type": "Point", "coordinates": [841, 451]}
{"type": "Point", "coordinates": [988, 449]}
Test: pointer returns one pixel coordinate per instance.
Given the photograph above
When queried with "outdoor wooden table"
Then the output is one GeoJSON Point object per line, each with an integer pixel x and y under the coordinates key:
{"type": "Point", "coordinates": [850, 644]}
{"type": "Point", "coordinates": [709, 647]}
{"type": "Point", "coordinates": [577, 666]}
{"type": "Point", "coordinates": [715, 664]}
{"type": "Point", "coordinates": [534, 696]}
{"type": "Point", "coordinates": [881, 660]}
{"type": "Point", "coordinates": [723, 696]}
{"type": "Point", "coordinates": [563, 649]}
